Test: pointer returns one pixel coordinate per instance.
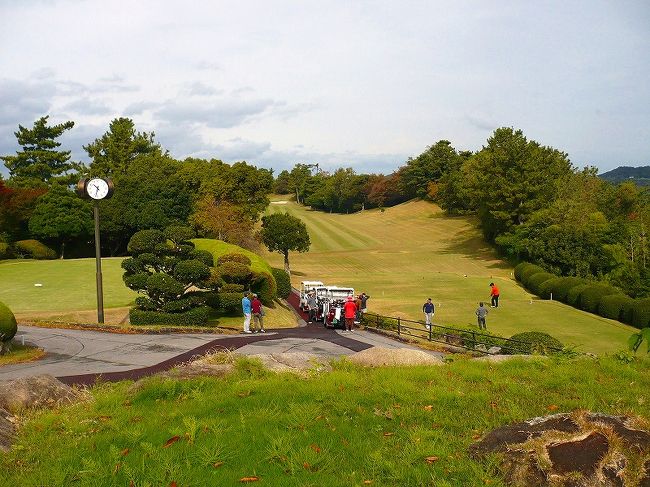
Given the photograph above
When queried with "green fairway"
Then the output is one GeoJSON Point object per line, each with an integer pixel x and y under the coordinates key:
{"type": "Point", "coordinates": [67, 285]}
{"type": "Point", "coordinates": [410, 252]}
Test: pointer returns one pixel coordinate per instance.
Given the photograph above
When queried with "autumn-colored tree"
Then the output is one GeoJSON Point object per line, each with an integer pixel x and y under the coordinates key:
{"type": "Point", "coordinates": [223, 220]}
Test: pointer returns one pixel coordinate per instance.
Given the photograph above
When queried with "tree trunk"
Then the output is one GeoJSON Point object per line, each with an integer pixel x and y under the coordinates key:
{"type": "Point", "coordinates": [62, 249]}
{"type": "Point", "coordinates": [5, 348]}
{"type": "Point", "coordinates": [286, 262]}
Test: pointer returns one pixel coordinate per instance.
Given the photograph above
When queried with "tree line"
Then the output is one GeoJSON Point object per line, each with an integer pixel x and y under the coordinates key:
{"type": "Point", "coordinates": [530, 201]}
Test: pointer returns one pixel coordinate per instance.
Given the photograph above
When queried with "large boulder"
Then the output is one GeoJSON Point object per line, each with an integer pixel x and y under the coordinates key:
{"type": "Point", "coordinates": [380, 356]}
{"type": "Point", "coordinates": [581, 449]}
{"type": "Point", "coordinates": [40, 391]}
{"type": "Point", "coordinates": [8, 328]}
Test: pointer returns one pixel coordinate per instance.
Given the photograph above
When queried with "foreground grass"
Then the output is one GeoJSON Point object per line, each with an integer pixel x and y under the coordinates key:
{"type": "Point", "coordinates": [21, 353]}
{"type": "Point", "coordinates": [353, 426]}
{"type": "Point", "coordinates": [413, 251]}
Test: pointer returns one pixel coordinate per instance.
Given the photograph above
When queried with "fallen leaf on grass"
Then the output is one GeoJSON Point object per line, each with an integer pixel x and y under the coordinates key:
{"type": "Point", "coordinates": [217, 464]}
{"type": "Point", "coordinates": [244, 394]}
{"type": "Point", "coordinates": [367, 482]}
{"type": "Point", "coordinates": [104, 418]}
{"type": "Point", "coordinates": [117, 468]}
{"type": "Point", "coordinates": [173, 484]}
{"type": "Point", "coordinates": [244, 480]}
{"type": "Point", "coordinates": [171, 441]}
{"type": "Point", "coordinates": [131, 483]}
{"type": "Point", "coordinates": [476, 436]}
{"type": "Point", "coordinates": [315, 447]}
{"type": "Point", "coordinates": [125, 452]}
{"type": "Point", "coordinates": [431, 459]}
{"type": "Point", "coordinates": [388, 433]}
{"type": "Point", "coordinates": [552, 407]}
{"type": "Point", "coordinates": [428, 408]}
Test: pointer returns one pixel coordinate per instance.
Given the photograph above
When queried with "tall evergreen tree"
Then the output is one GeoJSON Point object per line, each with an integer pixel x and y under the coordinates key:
{"type": "Point", "coordinates": [40, 164]}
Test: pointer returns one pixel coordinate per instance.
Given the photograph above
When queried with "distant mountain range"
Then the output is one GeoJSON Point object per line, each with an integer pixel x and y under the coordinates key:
{"type": "Point", "coordinates": [639, 175]}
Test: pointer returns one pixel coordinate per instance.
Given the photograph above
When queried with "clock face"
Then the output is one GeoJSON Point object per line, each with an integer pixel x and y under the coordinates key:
{"type": "Point", "coordinates": [97, 188]}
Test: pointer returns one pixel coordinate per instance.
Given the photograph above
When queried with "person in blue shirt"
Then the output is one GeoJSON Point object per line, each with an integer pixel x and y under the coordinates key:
{"type": "Point", "coordinates": [428, 309]}
{"type": "Point", "coordinates": [246, 308]}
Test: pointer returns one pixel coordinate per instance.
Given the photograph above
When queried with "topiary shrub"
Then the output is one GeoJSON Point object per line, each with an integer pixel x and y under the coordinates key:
{"type": "Point", "coordinates": [519, 269]}
{"type": "Point", "coordinates": [193, 317]}
{"type": "Point", "coordinates": [232, 288]}
{"type": "Point", "coordinates": [590, 298]}
{"type": "Point", "coordinates": [8, 328]}
{"type": "Point", "coordinates": [528, 272]}
{"type": "Point", "coordinates": [5, 251]}
{"type": "Point", "coordinates": [283, 281]}
{"type": "Point", "coordinates": [204, 256]}
{"type": "Point", "coordinates": [235, 272]}
{"type": "Point", "coordinates": [562, 288]}
{"type": "Point", "coordinates": [537, 279]}
{"type": "Point", "coordinates": [234, 257]}
{"type": "Point", "coordinates": [33, 249]}
{"type": "Point", "coordinates": [263, 284]}
{"type": "Point", "coordinates": [573, 296]}
{"type": "Point", "coordinates": [640, 313]}
{"type": "Point", "coordinates": [535, 342]}
{"type": "Point", "coordinates": [616, 307]}
{"type": "Point", "coordinates": [546, 288]}
{"type": "Point", "coordinates": [229, 303]}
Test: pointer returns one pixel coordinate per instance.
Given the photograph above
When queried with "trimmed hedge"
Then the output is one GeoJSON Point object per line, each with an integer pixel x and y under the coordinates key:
{"type": "Point", "coordinates": [536, 280]}
{"type": "Point", "coordinates": [519, 269]}
{"type": "Point", "coordinates": [232, 288]}
{"type": "Point", "coordinates": [228, 302]}
{"type": "Point", "coordinates": [561, 289]}
{"type": "Point", "coordinates": [616, 307]}
{"type": "Point", "coordinates": [283, 281]}
{"type": "Point", "coordinates": [263, 284]}
{"type": "Point", "coordinates": [234, 257]}
{"type": "Point", "coordinates": [536, 342]}
{"type": "Point", "coordinates": [573, 296]}
{"type": "Point", "coordinates": [34, 249]}
{"type": "Point", "coordinates": [528, 272]}
{"type": "Point", "coordinates": [234, 272]}
{"type": "Point", "coordinates": [193, 317]}
{"type": "Point", "coordinates": [8, 326]}
{"type": "Point", "coordinates": [547, 287]}
{"type": "Point", "coordinates": [5, 251]}
{"type": "Point", "coordinates": [590, 298]}
{"type": "Point", "coordinates": [640, 313]}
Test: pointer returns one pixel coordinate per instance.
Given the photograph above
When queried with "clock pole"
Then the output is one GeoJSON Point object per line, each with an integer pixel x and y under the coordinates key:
{"type": "Point", "coordinates": [98, 261]}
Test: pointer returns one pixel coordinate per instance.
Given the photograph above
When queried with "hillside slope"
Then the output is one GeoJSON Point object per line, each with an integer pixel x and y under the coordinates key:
{"type": "Point", "coordinates": [413, 251]}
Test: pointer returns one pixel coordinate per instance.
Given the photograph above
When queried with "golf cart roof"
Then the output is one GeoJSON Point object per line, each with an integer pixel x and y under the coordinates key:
{"type": "Point", "coordinates": [311, 283]}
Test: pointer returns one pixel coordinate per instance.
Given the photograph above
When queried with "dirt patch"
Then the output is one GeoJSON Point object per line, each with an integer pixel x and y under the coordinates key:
{"type": "Point", "coordinates": [380, 356]}
{"type": "Point", "coordinates": [297, 362]}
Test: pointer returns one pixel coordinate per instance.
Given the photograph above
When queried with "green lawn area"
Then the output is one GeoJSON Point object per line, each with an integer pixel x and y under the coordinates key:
{"type": "Point", "coordinates": [331, 429]}
{"type": "Point", "coordinates": [68, 285]}
{"type": "Point", "coordinates": [410, 252]}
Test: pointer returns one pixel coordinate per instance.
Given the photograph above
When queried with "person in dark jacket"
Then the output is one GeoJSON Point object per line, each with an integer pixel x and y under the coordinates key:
{"type": "Point", "coordinates": [481, 313]}
{"type": "Point", "coordinates": [258, 314]}
{"type": "Point", "coordinates": [364, 302]}
{"type": "Point", "coordinates": [428, 309]}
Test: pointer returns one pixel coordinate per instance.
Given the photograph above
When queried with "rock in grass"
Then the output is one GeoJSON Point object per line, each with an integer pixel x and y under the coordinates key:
{"type": "Point", "coordinates": [40, 391]}
{"type": "Point", "coordinates": [380, 356]}
{"type": "Point", "coordinates": [7, 429]}
{"type": "Point", "coordinates": [581, 449]}
{"type": "Point", "coordinates": [299, 362]}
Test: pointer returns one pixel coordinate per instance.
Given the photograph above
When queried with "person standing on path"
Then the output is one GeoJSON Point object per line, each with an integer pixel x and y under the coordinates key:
{"type": "Point", "coordinates": [364, 302]}
{"type": "Point", "coordinates": [494, 295]}
{"type": "Point", "coordinates": [428, 309]}
{"type": "Point", "coordinates": [312, 304]}
{"type": "Point", "coordinates": [246, 308]}
{"type": "Point", "coordinates": [357, 303]}
{"type": "Point", "coordinates": [258, 314]}
{"type": "Point", "coordinates": [350, 312]}
{"type": "Point", "coordinates": [481, 313]}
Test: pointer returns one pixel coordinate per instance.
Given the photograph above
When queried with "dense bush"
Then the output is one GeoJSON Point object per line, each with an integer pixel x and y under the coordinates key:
{"type": "Point", "coordinates": [146, 241]}
{"type": "Point", "coordinates": [640, 313]}
{"type": "Point", "coordinates": [590, 298]}
{"type": "Point", "coordinates": [229, 303]}
{"type": "Point", "coordinates": [235, 272]}
{"type": "Point", "coordinates": [204, 256]}
{"type": "Point", "coordinates": [8, 328]}
{"type": "Point", "coordinates": [616, 307]}
{"type": "Point", "coordinates": [546, 288]}
{"type": "Point", "coordinates": [536, 280]}
{"type": "Point", "coordinates": [283, 282]}
{"type": "Point", "coordinates": [520, 268]}
{"type": "Point", "coordinates": [5, 251]}
{"type": "Point", "coordinates": [232, 288]}
{"type": "Point", "coordinates": [263, 284]}
{"type": "Point", "coordinates": [562, 288]}
{"type": "Point", "coordinates": [193, 317]}
{"type": "Point", "coordinates": [34, 249]}
{"type": "Point", "coordinates": [573, 296]}
{"type": "Point", "coordinates": [234, 257]}
{"type": "Point", "coordinates": [529, 271]}
{"type": "Point", "coordinates": [535, 342]}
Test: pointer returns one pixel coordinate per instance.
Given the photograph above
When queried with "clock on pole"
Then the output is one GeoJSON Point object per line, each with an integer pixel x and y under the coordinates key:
{"type": "Point", "coordinates": [96, 189]}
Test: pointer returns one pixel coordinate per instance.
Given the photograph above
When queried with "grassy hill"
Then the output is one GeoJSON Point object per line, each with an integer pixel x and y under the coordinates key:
{"type": "Point", "coordinates": [413, 251]}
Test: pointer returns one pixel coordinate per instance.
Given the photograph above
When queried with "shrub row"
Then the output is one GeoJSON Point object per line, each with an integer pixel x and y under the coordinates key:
{"type": "Point", "coordinates": [594, 297]}
{"type": "Point", "coordinates": [5, 251]}
{"type": "Point", "coordinates": [283, 282]}
{"type": "Point", "coordinates": [194, 317]}
{"type": "Point", "coordinates": [30, 249]}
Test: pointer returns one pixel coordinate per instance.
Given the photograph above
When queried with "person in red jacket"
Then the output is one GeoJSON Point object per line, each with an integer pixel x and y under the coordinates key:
{"type": "Point", "coordinates": [494, 295]}
{"type": "Point", "coordinates": [258, 314]}
{"type": "Point", "coordinates": [350, 312]}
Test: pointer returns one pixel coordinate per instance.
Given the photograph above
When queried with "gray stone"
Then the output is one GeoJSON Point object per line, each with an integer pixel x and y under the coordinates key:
{"type": "Point", "coordinates": [40, 391]}
{"type": "Point", "coordinates": [494, 350]}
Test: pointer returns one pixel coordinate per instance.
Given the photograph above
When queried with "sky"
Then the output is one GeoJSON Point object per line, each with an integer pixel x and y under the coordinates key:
{"type": "Point", "coordinates": [361, 84]}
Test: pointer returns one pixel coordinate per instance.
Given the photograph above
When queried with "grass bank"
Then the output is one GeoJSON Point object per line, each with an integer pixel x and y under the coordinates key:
{"type": "Point", "coordinates": [353, 426]}
{"type": "Point", "coordinates": [413, 251]}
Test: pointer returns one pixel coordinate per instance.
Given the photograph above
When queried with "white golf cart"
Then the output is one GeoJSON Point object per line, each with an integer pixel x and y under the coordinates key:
{"type": "Point", "coordinates": [305, 288]}
{"type": "Point", "coordinates": [333, 305]}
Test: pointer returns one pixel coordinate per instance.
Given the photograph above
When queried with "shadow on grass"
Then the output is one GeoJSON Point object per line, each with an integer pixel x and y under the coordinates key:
{"type": "Point", "coordinates": [470, 244]}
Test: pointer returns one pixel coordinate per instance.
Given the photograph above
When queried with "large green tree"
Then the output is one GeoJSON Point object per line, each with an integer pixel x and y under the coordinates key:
{"type": "Point", "coordinates": [113, 153]}
{"type": "Point", "coordinates": [40, 163]}
{"type": "Point", "coordinates": [60, 217]}
{"type": "Point", "coordinates": [512, 177]}
{"type": "Point", "coordinates": [282, 233]}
